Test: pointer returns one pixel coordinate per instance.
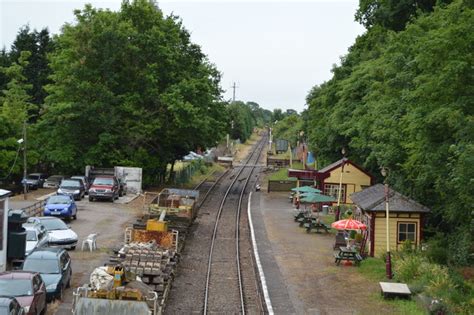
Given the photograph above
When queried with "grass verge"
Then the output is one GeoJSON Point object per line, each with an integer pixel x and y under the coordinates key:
{"type": "Point", "coordinates": [373, 269]}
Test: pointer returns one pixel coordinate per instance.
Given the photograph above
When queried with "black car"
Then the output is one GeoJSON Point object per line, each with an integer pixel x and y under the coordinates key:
{"type": "Point", "coordinates": [54, 266]}
{"type": "Point", "coordinates": [15, 186]}
{"type": "Point", "coordinates": [10, 306]}
{"type": "Point", "coordinates": [72, 187]}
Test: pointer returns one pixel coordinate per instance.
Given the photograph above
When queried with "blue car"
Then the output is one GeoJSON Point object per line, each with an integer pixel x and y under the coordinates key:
{"type": "Point", "coordinates": [62, 206]}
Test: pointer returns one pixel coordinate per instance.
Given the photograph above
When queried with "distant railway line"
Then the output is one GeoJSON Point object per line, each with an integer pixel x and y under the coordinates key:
{"type": "Point", "coordinates": [217, 271]}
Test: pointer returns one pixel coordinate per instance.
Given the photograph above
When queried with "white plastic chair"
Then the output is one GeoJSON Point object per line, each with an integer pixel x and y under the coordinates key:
{"type": "Point", "coordinates": [90, 241]}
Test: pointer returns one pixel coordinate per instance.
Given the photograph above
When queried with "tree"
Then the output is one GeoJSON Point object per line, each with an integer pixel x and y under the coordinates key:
{"type": "Point", "coordinates": [39, 44]}
{"type": "Point", "coordinates": [15, 103]}
{"type": "Point", "coordinates": [129, 88]}
{"type": "Point", "coordinates": [404, 100]}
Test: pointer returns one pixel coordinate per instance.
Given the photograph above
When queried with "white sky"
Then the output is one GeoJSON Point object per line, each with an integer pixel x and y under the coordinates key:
{"type": "Point", "coordinates": [275, 51]}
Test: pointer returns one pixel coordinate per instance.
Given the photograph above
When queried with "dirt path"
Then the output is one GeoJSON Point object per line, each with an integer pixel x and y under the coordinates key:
{"type": "Point", "coordinates": [314, 283]}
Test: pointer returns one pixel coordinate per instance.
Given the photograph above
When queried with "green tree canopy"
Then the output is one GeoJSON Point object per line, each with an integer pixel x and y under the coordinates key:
{"type": "Point", "coordinates": [130, 88]}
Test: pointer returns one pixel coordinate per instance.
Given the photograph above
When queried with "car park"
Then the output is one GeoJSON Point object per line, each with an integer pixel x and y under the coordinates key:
{"type": "Point", "coordinates": [85, 182]}
{"type": "Point", "coordinates": [53, 181]}
{"type": "Point", "coordinates": [104, 187]}
{"type": "Point", "coordinates": [72, 187]}
{"type": "Point", "coordinates": [9, 305]}
{"type": "Point", "coordinates": [27, 287]}
{"type": "Point", "coordinates": [36, 237]}
{"type": "Point", "coordinates": [59, 234]}
{"type": "Point", "coordinates": [35, 180]}
{"type": "Point", "coordinates": [62, 206]}
{"type": "Point", "coordinates": [54, 266]}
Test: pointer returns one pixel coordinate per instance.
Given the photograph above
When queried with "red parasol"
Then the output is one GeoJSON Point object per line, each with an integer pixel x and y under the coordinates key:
{"type": "Point", "coordinates": [349, 224]}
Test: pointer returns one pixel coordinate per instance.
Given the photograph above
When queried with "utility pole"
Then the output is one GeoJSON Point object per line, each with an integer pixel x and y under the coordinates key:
{"type": "Point", "coordinates": [25, 184]}
{"type": "Point", "coordinates": [233, 93]}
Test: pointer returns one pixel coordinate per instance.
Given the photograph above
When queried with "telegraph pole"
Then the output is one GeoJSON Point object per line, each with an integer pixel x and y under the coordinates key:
{"type": "Point", "coordinates": [233, 94]}
{"type": "Point", "coordinates": [25, 185]}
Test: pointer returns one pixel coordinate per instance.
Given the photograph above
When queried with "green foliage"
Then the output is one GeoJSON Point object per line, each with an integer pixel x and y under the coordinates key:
{"type": "Point", "coordinates": [436, 281]}
{"type": "Point", "coordinates": [392, 14]}
{"type": "Point", "coordinates": [130, 88]}
{"type": "Point", "coordinates": [289, 128]}
{"type": "Point", "coordinates": [14, 106]}
{"type": "Point", "coordinates": [241, 120]}
{"type": "Point", "coordinates": [404, 100]}
{"type": "Point", "coordinates": [39, 44]}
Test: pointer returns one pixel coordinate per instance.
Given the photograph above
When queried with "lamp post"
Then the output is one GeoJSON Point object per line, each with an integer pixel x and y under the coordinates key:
{"type": "Point", "coordinates": [25, 184]}
{"type": "Point", "coordinates": [388, 261]}
{"type": "Point", "coordinates": [339, 193]}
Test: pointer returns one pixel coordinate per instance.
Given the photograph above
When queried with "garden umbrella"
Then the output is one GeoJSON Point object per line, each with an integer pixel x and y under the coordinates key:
{"type": "Point", "coordinates": [306, 189]}
{"type": "Point", "coordinates": [348, 224]}
{"type": "Point", "coordinates": [316, 198]}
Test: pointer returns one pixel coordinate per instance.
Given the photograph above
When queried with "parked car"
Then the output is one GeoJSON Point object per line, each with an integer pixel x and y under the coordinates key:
{"type": "Point", "coordinates": [59, 234]}
{"type": "Point", "coordinates": [54, 266]}
{"type": "Point", "coordinates": [15, 186]}
{"type": "Point", "coordinates": [35, 180]}
{"type": "Point", "coordinates": [62, 206]}
{"type": "Point", "coordinates": [53, 181]}
{"type": "Point", "coordinates": [122, 187]}
{"type": "Point", "coordinates": [104, 187]}
{"type": "Point", "coordinates": [85, 181]}
{"type": "Point", "coordinates": [27, 287]}
{"type": "Point", "coordinates": [73, 187]}
{"type": "Point", "coordinates": [9, 305]}
{"type": "Point", "coordinates": [36, 236]}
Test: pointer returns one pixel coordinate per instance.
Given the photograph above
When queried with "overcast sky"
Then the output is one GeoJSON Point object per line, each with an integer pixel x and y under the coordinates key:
{"type": "Point", "coordinates": [274, 51]}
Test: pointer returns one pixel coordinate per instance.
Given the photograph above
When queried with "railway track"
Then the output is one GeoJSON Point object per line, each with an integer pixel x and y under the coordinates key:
{"type": "Point", "coordinates": [222, 279]}
{"type": "Point", "coordinates": [220, 293]}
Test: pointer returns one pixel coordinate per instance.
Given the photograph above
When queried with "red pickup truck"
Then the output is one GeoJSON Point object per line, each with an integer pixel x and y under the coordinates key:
{"type": "Point", "coordinates": [104, 187]}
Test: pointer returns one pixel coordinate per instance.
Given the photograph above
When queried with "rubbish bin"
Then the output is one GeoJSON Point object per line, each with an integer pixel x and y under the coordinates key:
{"type": "Point", "coordinates": [325, 209]}
{"type": "Point", "coordinates": [16, 243]}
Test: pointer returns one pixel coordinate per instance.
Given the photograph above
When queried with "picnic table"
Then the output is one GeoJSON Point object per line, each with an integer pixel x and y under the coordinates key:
{"type": "Point", "coordinates": [347, 254]}
{"type": "Point", "coordinates": [317, 225]}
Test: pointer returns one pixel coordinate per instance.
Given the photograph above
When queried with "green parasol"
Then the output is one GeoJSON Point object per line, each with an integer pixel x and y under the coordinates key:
{"type": "Point", "coordinates": [317, 198]}
{"type": "Point", "coordinates": [306, 189]}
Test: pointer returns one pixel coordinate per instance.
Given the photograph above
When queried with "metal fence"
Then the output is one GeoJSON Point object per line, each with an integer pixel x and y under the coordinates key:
{"type": "Point", "coordinates": [183, 176]}
{"type": "Point", "coordinates": [36, 209]}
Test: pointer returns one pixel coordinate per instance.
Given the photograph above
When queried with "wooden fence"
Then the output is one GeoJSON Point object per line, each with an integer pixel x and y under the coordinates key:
{"type": "Point", "coordinates": [277, 162]}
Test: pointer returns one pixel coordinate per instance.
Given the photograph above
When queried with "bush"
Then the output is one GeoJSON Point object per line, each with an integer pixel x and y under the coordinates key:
{"type": "Point", "coordinates": [448, 290]}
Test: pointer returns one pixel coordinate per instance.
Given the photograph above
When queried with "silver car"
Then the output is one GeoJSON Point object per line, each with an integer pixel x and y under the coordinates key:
{"type": "Point", "coordinates": [53, 181]}
{"type": "Point", "coordinates": [36, 237]}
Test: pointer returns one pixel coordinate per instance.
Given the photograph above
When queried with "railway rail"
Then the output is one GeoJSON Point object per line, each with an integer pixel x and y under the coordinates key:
{"type": "Point", "coordinates": [222, 229]}
{"type": "Point", "coordinates": [227, 289]}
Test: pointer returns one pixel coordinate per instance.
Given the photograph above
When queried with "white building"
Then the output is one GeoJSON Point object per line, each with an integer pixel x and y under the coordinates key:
{"type": "Point", "coordinates": [4, 198]}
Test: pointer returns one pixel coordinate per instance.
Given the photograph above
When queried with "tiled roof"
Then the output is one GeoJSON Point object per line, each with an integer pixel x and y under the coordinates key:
{"type": "Point", "coordinates": [373, 199]}
{"type": "Point", "coordinates": [332, 166]}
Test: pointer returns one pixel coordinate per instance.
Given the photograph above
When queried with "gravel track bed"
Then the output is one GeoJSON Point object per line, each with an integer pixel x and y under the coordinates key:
{"type": "Point", "coordinates": [188, 290]}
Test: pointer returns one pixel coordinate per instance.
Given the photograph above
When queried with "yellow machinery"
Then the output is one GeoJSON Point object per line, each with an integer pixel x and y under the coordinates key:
{"type": "Point", "coordinates": [159, 225]}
